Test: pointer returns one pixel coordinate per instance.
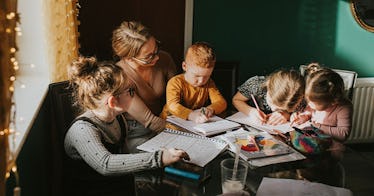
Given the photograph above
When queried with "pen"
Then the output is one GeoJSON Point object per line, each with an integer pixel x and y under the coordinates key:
{"type": "Point", "coordinates": [182, 173]}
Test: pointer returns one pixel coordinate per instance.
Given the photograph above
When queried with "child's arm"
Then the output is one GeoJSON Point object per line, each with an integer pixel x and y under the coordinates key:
{"type": "Point", "coordinates": [174, 90]}
{"type": "Point", "coordinates": [218, 102]}
{"type": "Point", "coordinates": [240, 103]}
{"type": "Point", "coordinates": [342, 130]}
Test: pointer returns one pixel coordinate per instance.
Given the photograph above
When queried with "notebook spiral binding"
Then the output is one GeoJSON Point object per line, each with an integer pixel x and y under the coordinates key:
{"type": "Point", "coordinates": [173, 131]}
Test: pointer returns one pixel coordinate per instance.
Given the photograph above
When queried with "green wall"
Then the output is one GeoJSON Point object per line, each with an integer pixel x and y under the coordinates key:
{"type": "Point", "coordinates": [265, 36]}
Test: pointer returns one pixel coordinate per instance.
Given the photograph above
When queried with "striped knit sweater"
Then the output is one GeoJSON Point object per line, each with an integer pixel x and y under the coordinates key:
{"type": "Point", "coordinates": [85, 141]}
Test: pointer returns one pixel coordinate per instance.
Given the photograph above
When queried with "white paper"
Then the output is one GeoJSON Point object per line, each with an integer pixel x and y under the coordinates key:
{"type": "Point", "coordinates": [200, 149]}
{"type": "Point", "coordinates": [290, 187]}
{"type": "Point", "coordinates": [215, 125]}
{"type": "Point", "coordinates": [243, 119]}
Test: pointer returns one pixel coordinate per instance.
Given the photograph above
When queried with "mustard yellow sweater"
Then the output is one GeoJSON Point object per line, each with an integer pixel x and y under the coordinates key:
{"type": "Point", "coordinates": [182, 98]}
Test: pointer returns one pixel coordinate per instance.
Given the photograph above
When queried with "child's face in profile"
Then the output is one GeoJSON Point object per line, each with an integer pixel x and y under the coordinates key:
{"type": "Point", "coordinates": [195, 75]}
{"type": "Point", "coordinates": [317, 106]}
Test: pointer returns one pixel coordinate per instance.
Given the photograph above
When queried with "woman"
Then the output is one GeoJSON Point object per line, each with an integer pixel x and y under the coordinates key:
{"type": "Point", "coordinates": [95, 142]}
{"type": "Point", "coordinates": [149, 69]}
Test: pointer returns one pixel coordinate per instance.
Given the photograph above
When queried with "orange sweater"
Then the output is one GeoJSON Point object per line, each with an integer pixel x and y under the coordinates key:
{"type": "Point", "coordinates": [182, 98]}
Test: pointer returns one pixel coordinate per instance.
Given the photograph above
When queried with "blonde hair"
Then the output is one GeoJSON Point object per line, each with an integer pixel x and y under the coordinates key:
{"type": "Point", "coordinates": [201, 54]}
{"type": "Point", "coordinates": [323, 85]}
{"type": "Point", "coordinates": [129, 37]}
{"type": "Point", "coordinates": [92, 80]}
{"type": "Point", "coordinates": [286, 89]}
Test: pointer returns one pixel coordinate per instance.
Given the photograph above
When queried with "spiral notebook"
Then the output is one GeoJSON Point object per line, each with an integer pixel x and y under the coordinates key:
{"type": "Point", "coordinates": [201, 149]}
{"type": "Point", "coordinates": [215, 125]}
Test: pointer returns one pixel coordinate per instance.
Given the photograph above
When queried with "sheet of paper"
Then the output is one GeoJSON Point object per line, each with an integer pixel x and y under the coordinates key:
{"type": "Point", "coordinates": [243, 119]}
{"type": "Point", "coordinates": [200, 149]}
{"type": "Point", "coordinates": [287, 187]}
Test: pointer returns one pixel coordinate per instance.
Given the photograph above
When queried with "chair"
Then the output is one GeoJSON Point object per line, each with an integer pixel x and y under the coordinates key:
{"type": "Point", "coordinates": [349, 78]}
{"type": "Point", "coordinates": [225, 76]}
{"type": "Point", "coordinates": [62, 114]}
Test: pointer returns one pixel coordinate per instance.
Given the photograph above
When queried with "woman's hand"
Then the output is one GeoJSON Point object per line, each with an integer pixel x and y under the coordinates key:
{"type": "Point", "coordinates": [277, 118]}
{"type": "Point", "coordinates": [172, 155]}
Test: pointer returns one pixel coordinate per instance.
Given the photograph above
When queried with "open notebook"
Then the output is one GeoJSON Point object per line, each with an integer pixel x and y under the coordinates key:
{"type": "Point", "coordinates": [214, 126]}
{"type": "Point", "coordinates": [200, 149]}
{"type": "Point", "coordinates": [243, 119]}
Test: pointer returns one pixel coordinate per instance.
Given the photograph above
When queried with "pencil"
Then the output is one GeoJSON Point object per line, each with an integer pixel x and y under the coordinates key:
{"type": "Point", "coordinates": [203, 110]}
{"type": "Point", "coordinates": [280, 133]}
{"type": "Point", "coordinates": [255, 102]}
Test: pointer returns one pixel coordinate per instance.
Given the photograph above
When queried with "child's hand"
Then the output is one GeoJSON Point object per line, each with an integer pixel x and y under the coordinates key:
{"type": "Point", "coordinates": [299, 118]}
{"type": "Point", "coordinates": [173, 155]}
{"type": "Point", "coordinates": [257, 116]}
{"type": "Point", "coordinates": [197, 116]}
{"type": "Point", "coordinates": [277, 118]}
{"type": "Point", "coordinates": [207, 112]}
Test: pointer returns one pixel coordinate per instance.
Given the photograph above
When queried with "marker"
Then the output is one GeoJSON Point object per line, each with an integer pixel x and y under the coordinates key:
{"type": "Point", "coordinates": [182, 173]}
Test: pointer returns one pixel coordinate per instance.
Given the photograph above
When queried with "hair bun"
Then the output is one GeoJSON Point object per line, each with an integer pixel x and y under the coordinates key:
{"type": "Point", "coordinates": [83, 67]}
{"type": "Point", "coordinates": [312, 68]}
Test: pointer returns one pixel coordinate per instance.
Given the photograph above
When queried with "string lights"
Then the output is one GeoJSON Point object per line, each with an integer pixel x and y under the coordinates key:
{"type": "Point", "coordinates": [9, 30]}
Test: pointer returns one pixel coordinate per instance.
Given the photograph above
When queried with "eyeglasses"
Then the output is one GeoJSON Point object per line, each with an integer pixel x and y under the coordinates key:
{"type": "Point", "coordinates": [150, 57]}
{"type": "Point", "coordinates": [130, 91]}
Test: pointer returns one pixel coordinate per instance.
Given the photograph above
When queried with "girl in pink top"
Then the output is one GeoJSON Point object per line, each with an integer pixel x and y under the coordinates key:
{"type": "Point", "coordinates": [328, 108]}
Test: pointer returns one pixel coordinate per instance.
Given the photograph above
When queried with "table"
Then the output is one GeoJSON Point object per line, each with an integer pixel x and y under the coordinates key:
{"type": "Point", "coordinates": [321, 168]}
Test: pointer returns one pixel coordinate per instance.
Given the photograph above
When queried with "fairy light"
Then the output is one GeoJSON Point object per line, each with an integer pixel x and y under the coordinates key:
{"type": "Point", "coordinates": [11, 30]}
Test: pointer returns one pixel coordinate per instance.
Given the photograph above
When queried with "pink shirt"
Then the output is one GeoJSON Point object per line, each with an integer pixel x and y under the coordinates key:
{"type": "Point", "coordinates": [335, 120]}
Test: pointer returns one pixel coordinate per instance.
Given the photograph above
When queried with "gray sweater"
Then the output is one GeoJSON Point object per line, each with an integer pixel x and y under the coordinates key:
{"type": "Point", "coordinates": [86, 141]}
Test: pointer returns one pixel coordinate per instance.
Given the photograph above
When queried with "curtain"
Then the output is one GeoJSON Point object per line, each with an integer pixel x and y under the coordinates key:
{"type": "Point", "coordinates": [8, 21]}
{"type": "Point", "coordinates": [62, 32]}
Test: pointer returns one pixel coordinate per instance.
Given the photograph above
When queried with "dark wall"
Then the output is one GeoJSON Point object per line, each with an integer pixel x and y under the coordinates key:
{"type": "Point", "coordinates": [266, 35]}
{"type": "Point", "coordinates": [99, 18]}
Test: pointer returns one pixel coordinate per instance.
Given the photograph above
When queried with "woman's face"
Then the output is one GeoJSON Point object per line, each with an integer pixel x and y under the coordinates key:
{"type": "Point", "coordinates": [148, 54]}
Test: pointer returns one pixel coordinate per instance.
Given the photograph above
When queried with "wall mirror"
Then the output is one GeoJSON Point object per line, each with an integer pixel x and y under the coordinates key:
{"type": "Point", "coordinates": [363, 12]}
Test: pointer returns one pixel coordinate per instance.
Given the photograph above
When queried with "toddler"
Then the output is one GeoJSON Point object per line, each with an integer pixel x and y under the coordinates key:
{"type": "Point", "coordinates": [193, 94]}
{"type": "Point", "coordinates": [328, 107]}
